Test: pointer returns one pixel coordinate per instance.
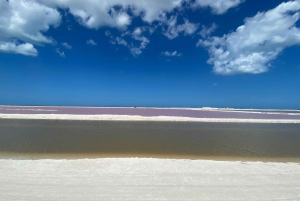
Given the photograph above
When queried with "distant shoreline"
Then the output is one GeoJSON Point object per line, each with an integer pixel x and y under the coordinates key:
{"type": "Point", "coordinates": [142, 107]}
{"type": "Point", "coordinates": [150, 114]}
{"type": "Point", "coordinates": [139, 118]}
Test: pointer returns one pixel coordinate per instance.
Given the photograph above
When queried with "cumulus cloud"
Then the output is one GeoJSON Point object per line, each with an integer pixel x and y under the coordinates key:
{"type": "Point", "coordinates": [25, 20]}
{"type": "Point", "coordinates": [207, 31]}
{"type": "Point", "coordinates": [121, 18]}
{"type": "Point", "coordinates": [66, 45]}
{"type": "Point", "coordinates": [91, 42]}
{"type": "Point", "coordinates": [113, 13]}
{"type": "Point", "coordinates": [29, 20]}
{"type": "Point", "coordinates": [252, 47]}
{"type": "Point", "coordinates": [135, 51]}
{"type": "Point", "coordinates": [173, 29]}
{"type": "Point", "coordinates": [121, 41]}
{"type": "Point", "coordinates": [107, 33]}
{"type": "Point", "coordinates": [171, 54]}
{"type": "Point", "coordinates": [136, 36]}
{"type": "Point", "coordinates": [218, 6]}
{"type": "Point", "coordinates": [25, 49]}
{"type": "Point", "coordinates": [61, 53]}
{"type": "Point", "coordinates": [138, 31]}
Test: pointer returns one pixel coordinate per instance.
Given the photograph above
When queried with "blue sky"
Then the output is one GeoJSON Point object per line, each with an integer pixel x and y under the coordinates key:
{"type": "Point", "coordinates": [171, 53]}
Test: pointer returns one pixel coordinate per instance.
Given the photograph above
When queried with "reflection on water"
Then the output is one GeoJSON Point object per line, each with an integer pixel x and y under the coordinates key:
{"type": "Point", "coordinates": [89, 139]}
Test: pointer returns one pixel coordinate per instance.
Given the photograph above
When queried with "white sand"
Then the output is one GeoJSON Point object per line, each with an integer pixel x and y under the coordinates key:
{"type": "Point", "coordinates": [147, 179]}
{"type": "Point", "coordinates": [138, 118]}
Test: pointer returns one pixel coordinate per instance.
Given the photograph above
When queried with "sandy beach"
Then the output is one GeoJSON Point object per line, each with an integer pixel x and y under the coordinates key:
{"type": "Point", "coordinates": [147, 179]}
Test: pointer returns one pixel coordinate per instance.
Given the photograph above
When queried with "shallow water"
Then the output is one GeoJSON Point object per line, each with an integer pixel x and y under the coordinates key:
{"type": "Point", "coordinates": [37, 139]}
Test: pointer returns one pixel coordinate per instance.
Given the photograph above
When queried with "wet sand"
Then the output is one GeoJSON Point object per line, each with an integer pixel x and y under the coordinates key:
{"type": "Point", "coordinates": [66, 139]}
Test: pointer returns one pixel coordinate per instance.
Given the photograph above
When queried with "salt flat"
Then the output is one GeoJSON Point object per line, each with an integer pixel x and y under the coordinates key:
{"type": "Point", "coordinates": [193, 113]}
{"type": "Point", "coordinates": [147, 179]}
{"type": "Point", "coordinates": [140, 118]}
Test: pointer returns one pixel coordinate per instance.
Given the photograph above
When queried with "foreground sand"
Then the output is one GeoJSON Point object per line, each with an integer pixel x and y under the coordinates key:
{"type": "Point", "coordinates": [147, 179]}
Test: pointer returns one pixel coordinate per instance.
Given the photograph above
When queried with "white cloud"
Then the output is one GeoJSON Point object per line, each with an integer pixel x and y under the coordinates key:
{"type": "Point", "coordinates": [187, 28]}
{"type": "Point", "coordinates": [135, 36]}
{"type": "Point", "coordinates": [26, 20]}
{"type": "Point", "coordinates": [253, 45]}
{"type": "Point", "coordinates": [135, 51]}
{"type": "Point", "coordinates": [91, 42]}
{"type": "Point", "coordinates": [173, 29]}
{"type": "Point", "coordinates": [107, 33]}
{"type": "Point", "coordinates": [171, 54]}
{"type": "Point", "coordinates": [12, 47]}
{"type": "Point", "coordinates": [66, 45]}
{"type": "Point", "coordinates": [97, 13]}
{"type": "Point", "coordinates": [207, 31]}
{"type": "Point", "coordinates": [29, 20]}
{"type": "Point", "coordinates": [119, 41]}
{"type": "Point", "coordinates": [61, 53]}
{"type": "Point", "coordinates": [138, 31]}
{"type": "Point", "coordinates": [218, 6]}
{"type": "Point", "coordinates": [121, 18]}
